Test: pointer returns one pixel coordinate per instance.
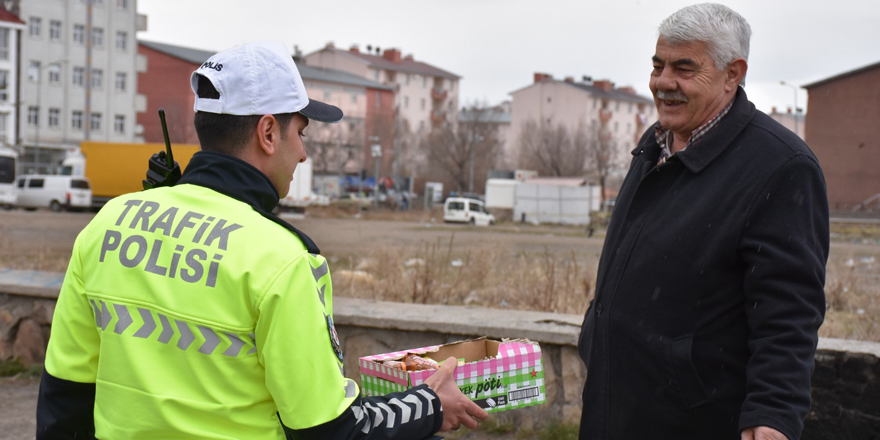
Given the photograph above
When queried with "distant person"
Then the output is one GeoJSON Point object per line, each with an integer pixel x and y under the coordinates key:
{"type": "Point", "coordinates": [710, 287]}
{"type": "Point", "coordinates": [192, 312]}
{"type": "Point", "coordinates": [404, 201]}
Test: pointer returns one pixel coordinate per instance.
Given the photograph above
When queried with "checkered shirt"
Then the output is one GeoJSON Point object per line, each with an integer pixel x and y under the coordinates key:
{"type": "Point", "coordinates": [664, 137]}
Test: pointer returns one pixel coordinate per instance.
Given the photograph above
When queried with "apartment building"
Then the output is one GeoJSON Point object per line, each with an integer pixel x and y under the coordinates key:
{"type": "Point", "coordinates": [78, 69]}
{"type": "Point", "coordinates": [11, 28]}
{"type": "Point", "coordinates": [165, 84]}
{"type": "Point", "coordinates": [615, 114]}
{"type": "Point", "coordinates": [425, 96]}
{"type": "Point", "coordinates": [842, 130]}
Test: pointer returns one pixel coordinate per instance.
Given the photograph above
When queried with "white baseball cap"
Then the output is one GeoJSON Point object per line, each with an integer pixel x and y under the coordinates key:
{"type": "Point", "coordinates": [258, 79]}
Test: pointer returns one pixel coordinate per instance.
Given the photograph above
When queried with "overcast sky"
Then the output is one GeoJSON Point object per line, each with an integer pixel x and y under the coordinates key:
{"type": "Point", "coordinates": [497, 45]}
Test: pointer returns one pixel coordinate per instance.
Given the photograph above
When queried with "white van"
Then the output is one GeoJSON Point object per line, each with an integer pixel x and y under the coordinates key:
{"type": "Point", "coordinates": [53, 192]}
{"type": "Point", "coordinates": [463, 210]}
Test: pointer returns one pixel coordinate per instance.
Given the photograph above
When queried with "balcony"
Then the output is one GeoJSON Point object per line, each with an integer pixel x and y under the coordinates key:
{"type": "Point", "coordinates": [438, 94]}
{"type": "Point", "coordinates": [438, 116]}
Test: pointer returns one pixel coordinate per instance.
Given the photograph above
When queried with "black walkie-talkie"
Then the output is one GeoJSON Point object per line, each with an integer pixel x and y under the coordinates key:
{"type": "Point", "coordinates": [163, 170]}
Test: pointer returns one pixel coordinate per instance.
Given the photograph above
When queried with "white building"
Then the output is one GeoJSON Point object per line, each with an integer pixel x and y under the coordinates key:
{"type": "Point", "coordinates": [617, 114]}
{"type": "Point", "coordinates": [11, 28]}
{"type": "Point", "coordinates": [77, 85]}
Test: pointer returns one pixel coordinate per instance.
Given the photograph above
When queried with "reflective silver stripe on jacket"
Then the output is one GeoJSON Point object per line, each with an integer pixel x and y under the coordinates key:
{"type": "Point", "coordinates": [215, 342]}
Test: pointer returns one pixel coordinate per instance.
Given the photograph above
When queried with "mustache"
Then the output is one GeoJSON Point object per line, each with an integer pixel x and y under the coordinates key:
{"type": "Point", "coordinates": [671, 96]}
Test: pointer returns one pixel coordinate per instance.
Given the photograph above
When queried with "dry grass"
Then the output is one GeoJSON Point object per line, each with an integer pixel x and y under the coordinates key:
{"type": "Point", "coordinates": [439, 273]}
{"type": "Point", "coordinates": [852, 293]}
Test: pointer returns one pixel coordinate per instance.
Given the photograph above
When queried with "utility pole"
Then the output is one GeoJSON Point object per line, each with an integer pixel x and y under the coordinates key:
{"type": "Point", "coordinates": [88, 84]}
{"type": "Point", "coordinates": [376, 150]}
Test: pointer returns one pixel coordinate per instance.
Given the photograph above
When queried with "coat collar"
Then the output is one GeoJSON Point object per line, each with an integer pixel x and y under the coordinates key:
{"type": "Point", "coordinates": [242, 181]}
{"type": "Point", "coordinates": [698, 156]}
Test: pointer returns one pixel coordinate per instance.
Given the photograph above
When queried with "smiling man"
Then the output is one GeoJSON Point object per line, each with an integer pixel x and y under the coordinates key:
{"type": "Point", "coordinates": [710, 288]}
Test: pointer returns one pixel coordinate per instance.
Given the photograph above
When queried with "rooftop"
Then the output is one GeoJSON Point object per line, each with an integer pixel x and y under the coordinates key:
{"type": "Point", "coordinates": [198, 56]}
{"type": "Point", "coordinates": [406, 64]}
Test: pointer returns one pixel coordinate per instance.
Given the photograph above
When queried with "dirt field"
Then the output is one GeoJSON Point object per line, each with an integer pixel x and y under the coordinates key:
{"type": "Point", "coordinates": [415, 257]}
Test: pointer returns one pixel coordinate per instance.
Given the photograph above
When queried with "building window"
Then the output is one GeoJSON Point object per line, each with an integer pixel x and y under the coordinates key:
{"type": "Point", "coordinates": [406, 102]}
{"type": "Point", "coordinates": [97, 78]}
{"type": "Point", "coordinates": [76, 120]}
{"type": "Point", "coordinates": [54, 74]}
{"type": "Point", "coordinates": [424, 82]}
{"type": "Point", "coordinates": [615, 126]}
{"type": "Point", "coordinates": [79, 34]}
{"type": "Point", "coordinates": [406, 79]}
{"type": "Point", "coordinates": [79, 76]}
{"type": "Point", "coordinates": [595, 103]}
{"type": "Point", "coordinates": [423, 103]}
{"type": "Point", "coordinates": [119, 124]}
{"type": "Point", "coordinates": [4, 44]}
{"type": "Point", "coordinates": [34, 26]}
{"type": "Point", "coordinates": [630, 108]}
{"type": "Point", "coordinates": [617, 106]}
{"type": "Point", "coordinates": [95, 122]}
{"type": "Point", "coordinates": [354, 98]}
{"type": "Point", "coordinates": [628, 128]}
{"type": "Point", "coordinates": [54, 117]}
{"type": "Point", "coordinates": [122, 4]}
{"type": "Point", "coordinates": [121, 40]}
{"type": "Point", "coordinates": [378, 99]}
{"type": "Point", "coordinates": [4, 85]}
{"type": "Point", "coordinates": [3, 118]}
{"type": "Point", "coordinates": [54, 30]}
{"type": "Point", "coordinates": [97, 37]}
{"type": "Point", "coordinates": [375, 75]}
{"type": "Point", "coordinates": [33, 116]}
{"type": "Point", "coordinates": [34, 71]}
{"type": "Point", "coordinates": [120, 81]}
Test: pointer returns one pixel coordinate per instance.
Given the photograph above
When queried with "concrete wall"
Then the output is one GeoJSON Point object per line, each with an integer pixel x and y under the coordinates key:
{"type": "Point", "coordinates": [846, 385]}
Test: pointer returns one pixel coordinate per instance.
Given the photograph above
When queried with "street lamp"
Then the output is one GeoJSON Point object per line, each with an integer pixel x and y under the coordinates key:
{"type": "Point", "coordinates": [39, 110]}
{"type": "Point", "coordinates": [795, 105]}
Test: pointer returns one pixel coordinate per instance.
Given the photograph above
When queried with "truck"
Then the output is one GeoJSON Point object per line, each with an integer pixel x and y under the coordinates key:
{"type": "Point", "coordinates": [118, 168]}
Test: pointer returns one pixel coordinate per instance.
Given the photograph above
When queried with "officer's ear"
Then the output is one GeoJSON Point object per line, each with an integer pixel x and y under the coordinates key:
{"type": "Point", "coordinates": [268, 133]}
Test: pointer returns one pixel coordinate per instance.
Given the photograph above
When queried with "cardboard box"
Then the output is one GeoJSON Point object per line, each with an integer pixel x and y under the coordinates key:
{"type": "Point", "coordinates": [497, 375]}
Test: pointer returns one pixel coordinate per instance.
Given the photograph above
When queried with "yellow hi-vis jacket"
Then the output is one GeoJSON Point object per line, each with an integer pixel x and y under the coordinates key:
{"type": "Point", "coordinates": [197, 317]}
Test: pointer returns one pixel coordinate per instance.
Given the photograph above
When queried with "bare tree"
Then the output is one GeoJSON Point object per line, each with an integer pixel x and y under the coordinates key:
{"type": "Point", "coordinates": [551, 150]}
{"type": "Point", "coordinates": [456, 148]}
{"type": "Point", "coordinates": [335, 147]}
{"type": "Point", "coordinates": [602, 154]}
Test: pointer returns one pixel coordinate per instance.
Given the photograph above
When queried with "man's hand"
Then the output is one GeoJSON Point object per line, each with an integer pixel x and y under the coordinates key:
{"type": "Point", "coordinates": [457, 408]}
{"type": "Point", "coordinates": [762, 433]}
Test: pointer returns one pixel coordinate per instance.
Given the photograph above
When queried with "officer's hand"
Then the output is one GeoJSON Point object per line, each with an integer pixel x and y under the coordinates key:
{"type": "Point", "coordinates": [762, 433]}
{"type": "Point", "coordinates": [457, 408]}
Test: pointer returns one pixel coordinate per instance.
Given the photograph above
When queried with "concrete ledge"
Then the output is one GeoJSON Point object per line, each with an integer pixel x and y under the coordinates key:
{"type": "Point", "coordinates": [846, 345]}
{"type": "Point", "coordinates": [458, 320]}
{"type": "Point", "coordinates": [32, 283]}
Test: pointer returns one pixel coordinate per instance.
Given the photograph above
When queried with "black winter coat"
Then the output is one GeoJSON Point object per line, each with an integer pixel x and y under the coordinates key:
{"type": "Point", "coordinates": [710, 288]}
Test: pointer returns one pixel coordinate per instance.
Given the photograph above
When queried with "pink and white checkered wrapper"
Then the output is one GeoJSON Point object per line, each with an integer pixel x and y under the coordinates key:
{"type": "Point", "coordinates": [513, 355]}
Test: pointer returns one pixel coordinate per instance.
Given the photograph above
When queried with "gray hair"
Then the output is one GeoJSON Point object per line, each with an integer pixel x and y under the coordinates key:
{"type": "Point", "coordinates": [725, 32]}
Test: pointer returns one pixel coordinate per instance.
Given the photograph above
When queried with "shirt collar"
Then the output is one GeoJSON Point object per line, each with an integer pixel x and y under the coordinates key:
{"type": "Point", "coordinates": [662, 135]}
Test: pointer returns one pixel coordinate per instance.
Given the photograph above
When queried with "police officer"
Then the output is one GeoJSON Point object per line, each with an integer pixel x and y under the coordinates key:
{"type": "Point", "coordinates": [193, 312]}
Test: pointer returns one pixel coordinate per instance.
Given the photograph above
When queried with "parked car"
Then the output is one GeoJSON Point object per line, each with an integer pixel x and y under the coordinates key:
{"type": "Point", "coordinates": [53, 192]}
{"type": "Point", "coordinates": [464, 210]}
